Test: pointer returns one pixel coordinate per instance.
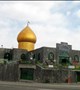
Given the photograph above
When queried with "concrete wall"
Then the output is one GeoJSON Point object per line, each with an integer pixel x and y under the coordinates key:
{"type": "Point", "coordinates": [54, 75]}
{"type": "Point", "coordinates": [43, 53]}
{"type": "Point", "coordinates": [9, 72]}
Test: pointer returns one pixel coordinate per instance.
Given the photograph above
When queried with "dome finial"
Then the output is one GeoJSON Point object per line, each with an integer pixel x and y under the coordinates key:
{"type": "Point", "coordinates": [28, 23]}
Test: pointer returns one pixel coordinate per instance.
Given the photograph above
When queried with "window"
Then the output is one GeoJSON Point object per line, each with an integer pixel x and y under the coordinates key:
{"type": "Point", "coordinates": [23, 57]}
{"type": "Point", "coordinates": [51, 56]}
{"type": "Point", "coordinates": [76, 58]}
{"type": "Point", "coordinates": [34, 56]}
{"type": "Point", "coordinates": [39, 56]}
{"type": "Point", "coordinates": [7, 56]}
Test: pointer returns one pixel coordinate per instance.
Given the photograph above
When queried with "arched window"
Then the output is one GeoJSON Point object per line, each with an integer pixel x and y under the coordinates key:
{"type": "Point", "coordinates": [33, 56]}
{"type": "Point", "coordinates": [23, 57]}
{"type": "Point", "coordinates": [7, 56]}
{"type": "Point", "coordinates": [51, 56]}
{"type": "Point", "coordinates": [39, 56]}
{"type": "Point", "coordinates": [76, 58]}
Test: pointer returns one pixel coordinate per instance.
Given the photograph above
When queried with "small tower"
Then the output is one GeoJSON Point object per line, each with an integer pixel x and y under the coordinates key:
{"type": "Point", "coordinates": [26, 39]}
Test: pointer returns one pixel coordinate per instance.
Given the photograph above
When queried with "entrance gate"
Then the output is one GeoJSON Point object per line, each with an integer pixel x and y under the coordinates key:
{"type": "Point", "coordinates": [78, 76]}
{"type": "Point", "coordinates": [63, 60]}
{"type": "Point", "coordinates": [27, 73]}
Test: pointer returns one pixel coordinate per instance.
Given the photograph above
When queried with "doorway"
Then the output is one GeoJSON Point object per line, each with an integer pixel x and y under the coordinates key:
{"type": "Point", "coordinates": [78, 76]}
{"type": "Point", "coordinates": [63, 60]}
{"type": "Point", "coordinates": [26, 73]}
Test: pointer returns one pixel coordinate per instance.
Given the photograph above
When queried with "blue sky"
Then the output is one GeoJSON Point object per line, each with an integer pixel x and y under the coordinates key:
{"type": "Point", "coordinates": [52, 21]}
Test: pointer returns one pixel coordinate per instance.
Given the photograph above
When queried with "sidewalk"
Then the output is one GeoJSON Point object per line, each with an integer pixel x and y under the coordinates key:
{"type": "Point", "coordinates": [39, 84]}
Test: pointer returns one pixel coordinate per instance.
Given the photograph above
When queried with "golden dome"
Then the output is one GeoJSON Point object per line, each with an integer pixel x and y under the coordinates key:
{"type": "Point", "coordinates": [26, 35]}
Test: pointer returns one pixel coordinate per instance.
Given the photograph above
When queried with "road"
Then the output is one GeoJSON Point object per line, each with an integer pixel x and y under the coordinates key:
{"type": "Point", "coordinates": [37, 86]}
